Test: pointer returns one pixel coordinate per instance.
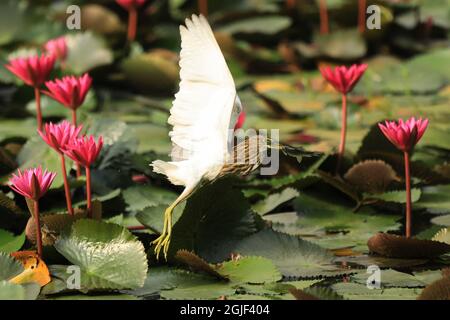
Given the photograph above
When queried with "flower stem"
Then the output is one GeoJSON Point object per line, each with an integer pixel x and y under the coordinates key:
{"type": "Point", "coordinates": [37, 95]}
{"type": "Point", "coordinates": [74, 117]}
{"type": "Point", "coordinates": [63, 65]}
{"type": "Point", "coordinates": [323, 17]}
{"type": "Point", "coordinates": [132, 24]}
{"type": "Point", "coordinates": [74, 122]}
{"type": "Point", "coordinates": [203, 7]}
{"type": "Point", "coordinates": [290, 4]}
{"type": "Point", "coordinates": [341, 151]}
{"type": "Point", "coordinates": [136, 228]}
{"type": "Point", "coordinates": [408, 195]}
{"type": "Point", "coordinates": [38, 228]}
{"type": "Point", "coordinates": [362, 16]}
{"type": "Point", "coordinates": [88, 191]}
{"type": "Point", "coordinates": [66, 186]}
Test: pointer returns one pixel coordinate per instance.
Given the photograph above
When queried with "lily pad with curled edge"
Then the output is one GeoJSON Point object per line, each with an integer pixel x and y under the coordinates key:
{"type": "Point", "coordinates": [315, 293]}
{"type": "Point", "coordinates": [108, 255]}
{"type": "Point", "coordinates": [382, 262]}
{"type": "Point", "coordinates": [274, 200]}
{"type": "Point", "coordinates": [356, 291]}
{"type": "Point", "coordinates": [9, 267]}
{"type": "Point", "coordinates": [371, 176]}
{"type": "Point", "coordinates": [391, 279]}
{"type": "Point", "coordinates": [442, 220]}
{"type": "Point", "coordinates": [439, 289]}
{"type": "Point", "coordinates": [293, 256]}
{"type": "Point", "coordinates": [442, 235]}
{"type": "Point", "coordinates": [10, 242]}
{"type": "Point", "coordinates": [394, 246]}
{"type": "Point", "coordinates": [197, 264]}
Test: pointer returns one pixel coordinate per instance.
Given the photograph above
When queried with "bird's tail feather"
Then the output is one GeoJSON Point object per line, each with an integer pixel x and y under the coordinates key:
{"type": "Point", "coordinates": [168, 169]}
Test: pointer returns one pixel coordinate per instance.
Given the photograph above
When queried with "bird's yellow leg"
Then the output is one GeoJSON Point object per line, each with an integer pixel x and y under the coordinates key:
{"type": "Point", "coordinates": [163, 241]}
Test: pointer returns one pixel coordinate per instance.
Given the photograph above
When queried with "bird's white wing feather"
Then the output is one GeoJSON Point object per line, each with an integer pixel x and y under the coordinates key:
{"type": "Point", "coordinates": [202, 109]}
{"type": "Point", "coordinates": [205, 82]}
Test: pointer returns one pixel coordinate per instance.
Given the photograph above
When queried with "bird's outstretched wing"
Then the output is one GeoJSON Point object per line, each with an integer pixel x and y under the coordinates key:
{"type": "Point", "coordinates": [202, 110]}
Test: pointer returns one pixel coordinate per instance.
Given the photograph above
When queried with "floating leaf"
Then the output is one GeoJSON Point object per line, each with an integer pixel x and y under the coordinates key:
{"type": "Point", "coordinates": [435, 199]}
{"type": "Point", "coordinates": [394, 246]}
{"type": "Point", "coordinates": [274, 200]}
{"type": "Point", "coordinates": [442, 236]}
{"type": "Point", "coordinates": [442, 220]}
{"type": "Point", "coordinates": [86, 52]}
{"type": "Point", "coordinates": [197, 264]}
{"type": "Point", "coordinates": [315, 293]}
{"type": "Point", "coordinates": [100, 19]}
{"type": "Point", "coordinates": [212, 225]}
{"type": "Point", "coordinates": [140, 197]}
{"type": "Point", "coordinates": [11, 291]}
{"type": "Point", "coordinates": [438, 290]}
{"type": "Point", "coordinates": [394, 196]}
{"type": "Point", "coordinates": [11, 19]}
{"type": "Point", "coordinates": [335, 224]}
{"type": "Point", "coordinates": [392, 279]}
{"type": "Point", "coordinates": [293, 256]}
{"type": "Point", "coordinates": [267, 25]}
{"type": "Point", "coordinates": [355, 291]}
{"type": "Point", "coordinates": [250, 270]}
{"type": "Point", "coordinates": [371, 176]}
{"type": "Point", "coordinates": [109, 256]}
{"type": "Point", "coordinates": [9, 267]}
{"type": "Point", "coordinates": [37, 153]}
{"type": "Point", "coordinates": [342, 44]}
{"type": "Point", "coordinates": [9, 242]}
{"type": "Point", "coordinates": [152, 72]}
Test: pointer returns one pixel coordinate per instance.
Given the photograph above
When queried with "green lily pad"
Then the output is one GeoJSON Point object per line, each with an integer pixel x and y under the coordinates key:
{"type": "Point", "coordinates": [211, 225]}
{"type": "Point", "coordinates": [108, 255]}
{"type": "Point", "coordinates": [293, 256]}
{"type": "Point", "coordinates": [274, 200]}
{"type": "Point", "coordinates": [86, 52]}
{"type": "Point", "coordinates": [9, 267]}
{"type": "Point", "coordinates": [9, 242]}
{"type": "Point", "coordinates": [250, 270]}
{"type": "Point", "coordinates": [355, 291]}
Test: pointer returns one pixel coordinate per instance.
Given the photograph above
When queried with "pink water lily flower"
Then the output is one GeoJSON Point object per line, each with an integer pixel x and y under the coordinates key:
{"type": "Point", "coordinates": [58, 136]}
{"type": "Point", "coordinates": [34, 70]}
{"type": "Point", "coordinates": [404, 134]}
{"type": "Point", "coordinates": [129, 4]}
{"type": "Point", "coordinates": [57, 47]}
{"type": "Point", "coordinates": [32, 183]}
{"type": "Point", "coordinates": [84, 150]}
{"type": "Point", "coordinates": [344, 79]}
{"type": "Point", "coordinates": [70, 91]}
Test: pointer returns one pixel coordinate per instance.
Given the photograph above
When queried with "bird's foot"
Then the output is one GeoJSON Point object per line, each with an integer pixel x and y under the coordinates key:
{"type": "Point", "coordinates": [163, 241]}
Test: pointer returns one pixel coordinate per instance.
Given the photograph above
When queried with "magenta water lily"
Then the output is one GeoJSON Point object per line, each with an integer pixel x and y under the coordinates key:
{"type": "Point", "coordinates": [343, 79]}
{"type": "Point", "coordinates": [33, 184]}
{"type": "Point", "coordinates": [405, 135]}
